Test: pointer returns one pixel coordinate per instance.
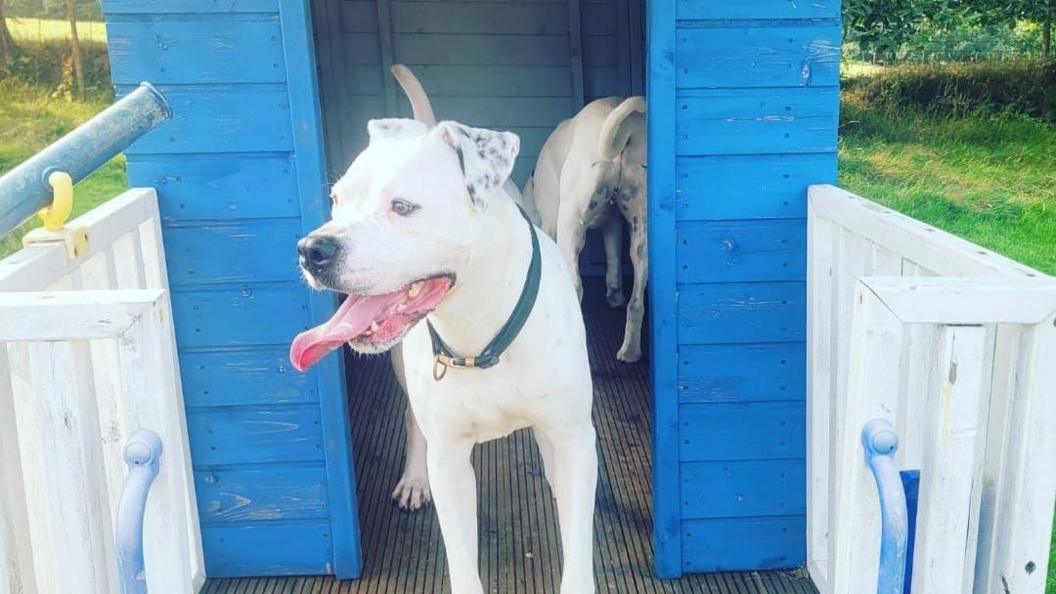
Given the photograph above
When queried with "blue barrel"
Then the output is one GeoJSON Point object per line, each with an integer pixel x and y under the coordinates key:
{"type": "Point", "coordinates": [24, 190]}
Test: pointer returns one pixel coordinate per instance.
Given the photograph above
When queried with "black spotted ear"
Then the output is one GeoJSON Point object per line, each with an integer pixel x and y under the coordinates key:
{"type": "Point", "coordinates": [392, 128]}
{"type": "Point", "coordinates": [487, 156]}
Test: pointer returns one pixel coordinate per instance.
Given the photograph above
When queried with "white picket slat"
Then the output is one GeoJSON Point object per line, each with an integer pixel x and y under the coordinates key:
{"type": "Point", "coordinates": [951, 477]}
{"type": "Point", "coordinates": [872, 392]}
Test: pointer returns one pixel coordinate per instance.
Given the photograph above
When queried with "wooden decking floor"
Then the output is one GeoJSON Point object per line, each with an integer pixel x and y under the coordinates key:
{"type": "Point", "coordinates": [403, 552]}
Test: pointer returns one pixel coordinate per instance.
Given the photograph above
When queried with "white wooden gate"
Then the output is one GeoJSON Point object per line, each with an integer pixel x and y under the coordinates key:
{"type": "Point", "coordinates": [956, 347]}
{"type": "Point", "coordinates": [87, 357]}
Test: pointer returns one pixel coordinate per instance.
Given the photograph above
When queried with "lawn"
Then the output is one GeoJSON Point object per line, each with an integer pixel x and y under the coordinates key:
{"type": "Point", "coordinates": [28, 29]}
{"type": "Point", "coordinates": [31, 119]}
{"type": "Point", "coordinates": [991, 180]}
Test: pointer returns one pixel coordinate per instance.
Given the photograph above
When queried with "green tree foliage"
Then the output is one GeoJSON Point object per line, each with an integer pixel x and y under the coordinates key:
{"type": "Point", "coordinates": [885, 26]}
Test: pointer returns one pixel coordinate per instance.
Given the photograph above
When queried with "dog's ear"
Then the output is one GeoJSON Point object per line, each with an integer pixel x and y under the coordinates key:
{"type": "Point", "coordinates": [487, 156]}
{"type": "Point", "coordinates": [393, 128]}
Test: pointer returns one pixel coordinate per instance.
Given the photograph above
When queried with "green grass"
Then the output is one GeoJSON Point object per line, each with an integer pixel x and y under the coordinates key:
{"type": "Point", "coordinates": [31, 119]}
{"type": "Point", "coordinates": [29, 29]}
{"type": "Point", "coordinates": [991, 180]}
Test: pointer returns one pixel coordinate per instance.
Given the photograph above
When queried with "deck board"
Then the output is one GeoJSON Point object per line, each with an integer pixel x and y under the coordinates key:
{"type": "Point", "coordinates": [403, 552]}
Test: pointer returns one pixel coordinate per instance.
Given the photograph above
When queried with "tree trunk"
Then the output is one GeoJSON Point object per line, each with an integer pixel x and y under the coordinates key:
{"type": "Point", "coordinates": [7, 43]}
{"type": "Point", "coordinates": [1046, 31]}
{"type": "Point", "coordinates": [75, 46]}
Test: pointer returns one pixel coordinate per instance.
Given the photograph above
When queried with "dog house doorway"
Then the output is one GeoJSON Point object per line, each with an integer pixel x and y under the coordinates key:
{"type": "Point", "coordinates": [522, 67]}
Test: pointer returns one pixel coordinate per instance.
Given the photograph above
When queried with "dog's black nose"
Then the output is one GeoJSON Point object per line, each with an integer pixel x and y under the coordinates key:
{"type": "Point", "coordinates": [317, 251]}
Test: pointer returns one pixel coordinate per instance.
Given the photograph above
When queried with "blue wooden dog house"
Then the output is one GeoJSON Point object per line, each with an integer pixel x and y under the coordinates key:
{"type": "Point", "coordinates": [271, 98]}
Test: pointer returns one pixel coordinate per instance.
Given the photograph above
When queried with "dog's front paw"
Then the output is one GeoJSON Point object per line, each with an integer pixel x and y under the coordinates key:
{"type": "Point", "coordinates": [630, 353]}
{"type": "Point", "coordinates": [615, 297]}
{"type": "Point", "coordinates": [412, 493]}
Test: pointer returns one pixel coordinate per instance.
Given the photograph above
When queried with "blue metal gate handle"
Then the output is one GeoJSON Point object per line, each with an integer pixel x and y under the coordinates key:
{"type": "Point", "coordinates": [142, 454]}
{"type": "Point", "coordinates": [881, 443]}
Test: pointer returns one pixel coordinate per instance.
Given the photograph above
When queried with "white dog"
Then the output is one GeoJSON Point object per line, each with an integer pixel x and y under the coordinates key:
{"type": "Point", "coordinates": [422, 229]}
{"type": "Point", "coordinates": [412, 491]}
{"type": "Point", "coordinates": [590, 171]}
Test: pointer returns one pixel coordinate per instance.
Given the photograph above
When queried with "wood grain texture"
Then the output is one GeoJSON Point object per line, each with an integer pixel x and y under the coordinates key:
{"type": "Point", "coordinates": [727, 313]}
{"type": "Point", "coordinates": [741, 373]}
{"type": "Point", "coordinates": [745, 57]}
{"type": "Point", "coordinates": [757, 121]}
{"type": "Point", "coordinates": [230, 186]}
{"type": "Point", "coordinates": [711, 432]}
{"type": "Point", "coordinates": [196, 50]}
{"type": "Point", "coordinates": [738, 251]}
{"type": "Point", "coordinates": [239, 311]}
{"type": "Point", "coordinates": [748, 187]}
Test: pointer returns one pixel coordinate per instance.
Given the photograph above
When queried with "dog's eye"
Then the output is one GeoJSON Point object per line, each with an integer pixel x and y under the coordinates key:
{"type": "Point", "coordinates": [403, 208]}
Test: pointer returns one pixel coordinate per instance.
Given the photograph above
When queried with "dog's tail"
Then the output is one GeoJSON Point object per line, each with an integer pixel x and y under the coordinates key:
{"type": "Point", "coordinates": [614, 134]}
{"type": "Point", "coordinates": [423, 109]}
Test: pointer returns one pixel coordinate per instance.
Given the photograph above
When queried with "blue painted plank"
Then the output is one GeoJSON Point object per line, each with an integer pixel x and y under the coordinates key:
{"type": "Point", "coordinates": [267, 548]}
{"type": "Point", "coordinates": [272, 492]}
{"type": "Point", "coordinates": [156, 7]}
{"type": "Point", "coordinates": [254, 435]}
{"type": "Point", "coordinates": [660, 82]}
{"type": "Point", "coordinates": [749, 187]}
{"type": "Point", "coordinates": [305, 112]}
{"type": "Point", "coordinates": [221, 119]}
{"type": "Point", "coordinates": [244, 377]}
{"type": "Point", "coordinates": [196, 50]}
{"type": "Point", "coordinates": [744, 489]}
{"type": "Point", "coordinates": [757, 9]}
{"type": "Point", "coordinates": [479, 18]}
{"type": "Point", "coordinates": [736, 544]}
{"type": "Point", "coordinates": [735, 251]}
{"type": "Point", "coordinates": [736, 57]}
{"type": "Point", "coordinates": [742, 373]}
{"type": "Point", "coordinates": [194, 187]}
{"type": "Point", "coordinates": [239, 316]}
{"type": "Point", "coordinates": [494, 81]}
{"type": "Point", "coordinates": [757, 121]}
{"type": "Point", "coordinates": [743, 431]}
{"type": "Point", "coordinates": [742, 313]}
{"type": "Point", "coordinates": [233, 252]}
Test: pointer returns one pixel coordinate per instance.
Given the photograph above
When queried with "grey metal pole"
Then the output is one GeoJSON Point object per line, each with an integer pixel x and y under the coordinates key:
{"type": "Point", "coordinates": [24, 190]}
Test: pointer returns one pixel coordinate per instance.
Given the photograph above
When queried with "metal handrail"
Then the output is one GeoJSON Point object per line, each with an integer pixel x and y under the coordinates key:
{"type": "Point", "coordinates": [25, 189]}
{"type": "Point", "coordinates": [881, 443]}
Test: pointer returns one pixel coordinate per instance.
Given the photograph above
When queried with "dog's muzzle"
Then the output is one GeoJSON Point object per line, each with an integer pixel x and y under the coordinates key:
{"type": "Point", "coordinates": [317, 253]}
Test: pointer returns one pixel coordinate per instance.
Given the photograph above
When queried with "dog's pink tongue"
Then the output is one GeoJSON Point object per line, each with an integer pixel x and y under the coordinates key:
{"type": "Point", "coordinates": [351, 319]}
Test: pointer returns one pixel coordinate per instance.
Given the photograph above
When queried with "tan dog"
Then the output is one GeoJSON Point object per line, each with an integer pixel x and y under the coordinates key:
{"type": "Point", "coordinates": [590, 172]}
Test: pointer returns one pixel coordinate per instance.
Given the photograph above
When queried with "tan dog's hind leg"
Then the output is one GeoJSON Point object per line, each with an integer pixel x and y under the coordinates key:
{"type": "Point", "coordinates": [635, 212]}
{"type": "Point", "coordinates": [412, 491]}
{"type": "Point", "coordinates": [612, 233]}
{"type": "Point", "coordinates": [571, 233]}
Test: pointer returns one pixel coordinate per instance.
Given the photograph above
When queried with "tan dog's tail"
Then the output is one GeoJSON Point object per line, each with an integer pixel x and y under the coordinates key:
{"type": "Point", "coordinates": [423, 109]}
{"type": "Point", "coordinates": [613, 134]}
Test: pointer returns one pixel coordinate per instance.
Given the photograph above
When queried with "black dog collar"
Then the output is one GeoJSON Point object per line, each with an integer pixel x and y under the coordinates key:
{"type": "Point", "coordinates": [443, 358]}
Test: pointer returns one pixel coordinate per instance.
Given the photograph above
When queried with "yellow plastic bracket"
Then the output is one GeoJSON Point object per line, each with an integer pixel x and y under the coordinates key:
{"type": "Point", "coordinates": [55, 217]}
